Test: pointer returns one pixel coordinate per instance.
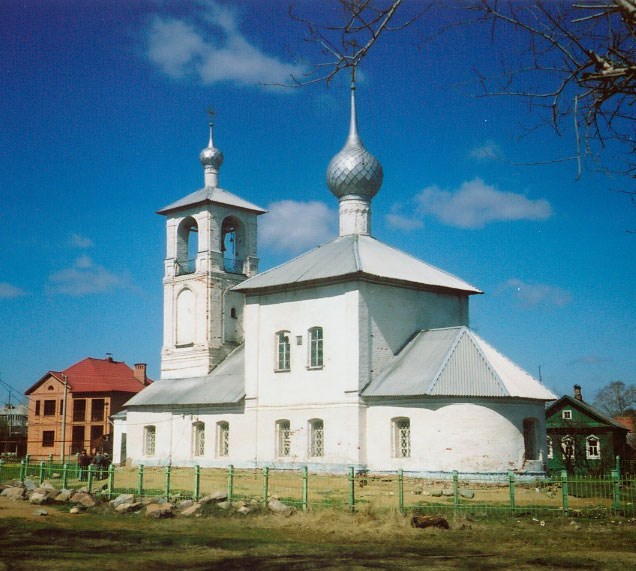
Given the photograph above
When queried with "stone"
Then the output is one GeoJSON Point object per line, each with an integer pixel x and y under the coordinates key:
{"type": "Point", "coordinates": [216, 497]}
{"type": "Point", "coordinates": [224, 505]}
{"type": "Point", "coordinates": [64, 496]}
{"type": "Point", "coordinates": [129, 507]}
{"type": "Point", "coordinates": [183, 504]}
{"type": "Point", "coordinates": [38, 498]}
{"type": "Point", "coordinates": [417, 490]}
{"type": "Point", "coordinates": [192, 510]}
{"type": "Point", "coordinates": [447, 492]}
{"type": "Point", "coordinates": [30, 485]}
{"type": "Point", "coordinates": [83, 499]}
{"type": "Point", "coordinates": [424, 521]}
{"type": "Point", "coordinates": [46, 485]}
{"type": "Point", "coordinates": [244, 510]}
{"type": "Point", "coordinates": [436, 494]}
{"type": "Point", "coordinates": [14, 493]}
{"type": "Point", "coordinates": [468, 494]}
{"type": "Point", "coordinates": [279, 508]}
{"type": "Point", "coordinates": [122, 499]}
{"type": "Point", "coordinates": [159, 510]}
{"type": "Point", "coordinates": [75, 510]}
{"type": "Point", "coordinates": [40, 512]}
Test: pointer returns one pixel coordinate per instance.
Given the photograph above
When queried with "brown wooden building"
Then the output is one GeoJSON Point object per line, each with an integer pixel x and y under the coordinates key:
{"type": "Point", "coordinates": [69, 410]}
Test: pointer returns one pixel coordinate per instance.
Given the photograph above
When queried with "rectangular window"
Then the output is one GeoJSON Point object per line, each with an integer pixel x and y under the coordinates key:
{"type": "Point", "coordinates": [283, 438]}
{"type": "Point", "coordinates": [402, 438]}
{"type": "Point", "coordinates": [97, 410]}
{"type": "Point", "coordinates": [96, 434]}
{"type": "Point", "coordinates": [79, 410]}
{"type": "Point", "coordinates": [48, 438]}
{"type": "Point", "coordinates": [316, 438]}
{"type": "Point", "coordinates": [37, 408]}
{"type": "Point", "coordinates": [198, 439]}
{"type": "Point", "coordinates": [567, 446]}
{"type": "Point", "coordinates": [49, 408]}
{"type": "Point", "coordinates": [593, 451]}
{"type": "Point", "coordinates": [149, 440]}
{"type": "Point", "coordinates": [223, 439]}
{"type": "Point", "coordinates": [77, 439]}
{"type": "Point", "coordinates": [315, 348]}
{"type": "Point", "coordinates": [550, 448]}
{"type": "Point", "coordinates": [283, 358]}
{"type": "Point", "coordinates": [567, 415]}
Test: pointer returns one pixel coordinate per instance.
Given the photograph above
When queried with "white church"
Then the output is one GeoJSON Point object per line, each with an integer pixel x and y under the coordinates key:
{"type": "Point", "coordinates": [352, 354]}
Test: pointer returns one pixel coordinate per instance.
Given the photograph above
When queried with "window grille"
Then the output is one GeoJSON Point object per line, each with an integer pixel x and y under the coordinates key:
{"type": "Point", "coordinates": [315, 347]}
{"type": "Point", "coordinates": [223, 445]}
{"type": "Point", "coordinates": [283, 360]}
{"type": "Point", "coordinates": [550, 448]}
{"type": "Point", "coordinates": [402, 438]}
{"type": "Point", "coordinates": [283, 438]}
{"type": "Point", "coordinates": [317, 439]}
{"type": "Point", "coordinates": [198, 439]}
{"type": "Point", "coordinates": [149, 440]}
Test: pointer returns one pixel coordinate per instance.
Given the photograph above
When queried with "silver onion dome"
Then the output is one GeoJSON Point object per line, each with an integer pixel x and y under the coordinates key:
{"type": "Point", "coordinates": [354, 170]}
{"type": "Point", "coordinates": [211, 156]}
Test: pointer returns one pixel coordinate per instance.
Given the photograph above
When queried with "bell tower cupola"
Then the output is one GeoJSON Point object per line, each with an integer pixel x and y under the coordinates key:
{"type": "Point", "coordinates": [210, 247]}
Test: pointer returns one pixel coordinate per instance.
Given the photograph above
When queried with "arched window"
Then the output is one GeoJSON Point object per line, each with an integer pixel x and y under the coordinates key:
{"type": "Point", "coordinates": [401, 428]}
{"type": "Point", "coordinates": [530, 438]}
{"type": "Point", "coordinates": [185, 318]}
{"type": "Point", "coordinates": [283, 438]}
{"type": "Point", "coordinates": [198, 439]}
{"type": "Point", "coordinates": [316, 438]}
{"type": "Point", "coordinates": [315, 347]}
{"type": "Point", "coordinates": [150, 440]}
{"type": "Point", "coordinates": [187, 246]}
{"type": "Point", "coordinates": [223, 438]}
{"type": "Point", "coordinates": [233, 245]}
{"type": "Point", "coordinates": [592, 448]}
{"type": "Point", "coordinates": [283, 355]}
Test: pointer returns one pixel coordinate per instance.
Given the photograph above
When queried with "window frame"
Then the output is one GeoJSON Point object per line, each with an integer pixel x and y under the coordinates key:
{"type": "Point", "coordinates": [315, 348]}
{"type": "Point", "coordinates": [550, 447]}
{"type": "Point", "coordinates": [316, 444]}
{"type": "Point", "coordinates": [283, 360]}
{"type": "Point", "coordinates": [588, 447]}
{"type": "Point", "coordinates": [48, 438]}
{"type": "Point", "coordinates": [568, 439]}
{"type": "Point", "coordinates": [566, 414]}
{"type": "Point", "coordinates": [401, 428]}
{"type": "Point", "coordinates": [150, 440]}
{"type": "Point", "coordinates": [222, 439]}
{"type": "Point", "coordinates": [198, 439]}
{"type": "Point", "coordinates": [49, 408]}
{"type": "Point", "coordinates": [283, 438]}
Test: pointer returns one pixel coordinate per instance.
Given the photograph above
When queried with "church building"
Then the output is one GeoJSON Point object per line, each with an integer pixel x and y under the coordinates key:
{"type": "Point", "coordinates": [352, 354]}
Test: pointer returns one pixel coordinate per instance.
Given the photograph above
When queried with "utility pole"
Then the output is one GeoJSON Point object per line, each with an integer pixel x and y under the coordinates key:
{"type": "Point", "coordinates": [63, 446]}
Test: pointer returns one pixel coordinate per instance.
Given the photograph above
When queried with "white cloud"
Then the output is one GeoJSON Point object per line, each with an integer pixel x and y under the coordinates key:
{"type": "Point", "coordinates": [7, 290]}
{"type": "Point", "coordinates": [487, 152]}
{"type": "Point", "coordinates": [83, 278]}
{"type": "Point", "coordinates": [292, 226]}
{"type": "Point", "coordinates": [407, 223]}
{"type": "Point", "coordinates": [78, 241]}
{"type": "Point", "coordinates": [476, 204]}
{"type": "Point", "coordinates": [532, 295]}
{"type": "Point", "coordinates": [212, 50]}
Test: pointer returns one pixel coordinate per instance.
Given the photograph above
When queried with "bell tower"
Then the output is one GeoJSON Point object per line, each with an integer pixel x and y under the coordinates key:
{"type": "Point", "coordinates": [211, 247]}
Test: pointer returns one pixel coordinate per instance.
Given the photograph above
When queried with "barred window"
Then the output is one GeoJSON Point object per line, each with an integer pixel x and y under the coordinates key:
{"type": "Point", "coordinates": [401, 438]}
{"type": "Point", "coordinates": [198, 439]}
{"type": "Point", "coordinates": [149, 440]}
{"type": "Point", "coordinates": [550, 448]}
{"type": "Point", "coordinates": [223, 438]}
{"type": "Point", "coordinates": [592, 448]}
{"type": "Point", "coordinates": [283, 360]}
{"type": "Point", "coordinates": [316, 438]}
{"type": "Point", "coordinates": [283, 438]}
{"type": "Point", "coordinates": [315, 347]}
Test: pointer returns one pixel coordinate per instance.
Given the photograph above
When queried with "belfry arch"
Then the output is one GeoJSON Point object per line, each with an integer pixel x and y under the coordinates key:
{"type": "Point", "coordinates": [187, 245]}
{"type": "Point", "coordinates": [233, 244]}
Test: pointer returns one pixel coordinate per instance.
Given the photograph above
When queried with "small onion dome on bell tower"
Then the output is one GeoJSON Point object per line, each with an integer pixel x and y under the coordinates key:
{"type": "Point", "coordinates": [354, 176]}
{"type": "Point", "coordinates": [211, 158]}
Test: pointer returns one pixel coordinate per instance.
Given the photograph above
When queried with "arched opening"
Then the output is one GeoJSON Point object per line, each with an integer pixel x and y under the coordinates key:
{"type": "Point", "coordinates": [185, 318]}
{"type": "Point", "coordinates": [187, 246]}
{"type": "Point", "coordinates": [530, 438]}
{"type": "Point", "coordinates": [233, 245]}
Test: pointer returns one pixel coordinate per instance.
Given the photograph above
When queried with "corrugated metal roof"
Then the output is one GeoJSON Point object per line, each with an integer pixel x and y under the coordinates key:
{"type": "Point", "coordinates": [355, 256]}
{"type": "Point", "coordinates": [210, 194]}
{"type": "Point", "coordinates": [224, 385]}
{"type": "Point", "coordinates": [454, 362]}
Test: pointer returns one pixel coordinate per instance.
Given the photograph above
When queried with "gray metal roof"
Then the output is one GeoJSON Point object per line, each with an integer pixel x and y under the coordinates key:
{"type": "Point", "coordinates": [455, 362]}
{"type": "Point", "coordinates": [212, 194]}
{"type": "Point", "coordinates": [355, 256]}
{"type": "Point", "coordinates": [224, 385]}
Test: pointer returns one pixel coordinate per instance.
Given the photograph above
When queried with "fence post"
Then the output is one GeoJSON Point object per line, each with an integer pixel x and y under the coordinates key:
{"type": "Point", "coordinates": [352, 490]}
{"type": "Point", "coordinates": [511, 488]}
{"type": "Point", "coordinates": [265, 484]}
{"type": "Point", "coordinates": [455, 490]}
{"type": "Point", "coordinates": [616, 479]}
{"type": "Point", "coordinates": [65, 476]}
{"type": "Point", "coordinates": [305, 489]}
{"type": "Point", "coordinates": [230, 482]}
{"type": "Point", "coordinates": [22, 470]}
{"type": "Point", "coordinates": [91, 471]}
{"type": "Point", "coordinates": [41, 471]}
{"type": "Point", "coordinates": [197, 482]}
{"type": "Point", "coordinates": [1, 463]}
{"type": "Point", "coordinates": [167, 490]}
{"type": "Point", "coordinates": [140, 480]}
{"type": "Point", "coordinates": [111, 480]}
{"type": "Point", "coordinates": [401, 490]}
{"type": "Point", "coordinates": [564, 491]}
{"type": "Point", "coordinates": [618, 465]}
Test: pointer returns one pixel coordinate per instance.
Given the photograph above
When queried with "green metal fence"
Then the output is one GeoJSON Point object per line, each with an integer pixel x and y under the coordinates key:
{"type": "Point", "coordinates": [562, 494]}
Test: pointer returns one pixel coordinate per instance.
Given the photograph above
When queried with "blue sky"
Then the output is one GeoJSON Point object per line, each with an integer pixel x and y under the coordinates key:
{"type": "Point", "coordinates": [103, 109]}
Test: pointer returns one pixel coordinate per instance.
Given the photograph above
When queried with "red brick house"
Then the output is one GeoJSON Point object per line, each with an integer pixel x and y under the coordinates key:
{"type": "Point", "coordinates": [69, 410]}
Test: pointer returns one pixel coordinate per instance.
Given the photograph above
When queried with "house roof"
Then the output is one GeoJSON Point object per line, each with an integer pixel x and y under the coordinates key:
{"type": "Point", "coordinates": [95, 376]}
{"type": "Point", "coordinates": [213, 195]}
{"type": "Point", "coordinates": [455, 362]}
{"type": "Point", "coordinates": [567, 400]}
{"type": "Point", "coordinates": [224, 385]}
{"type": "Point", "coordinates": [355, 257]}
